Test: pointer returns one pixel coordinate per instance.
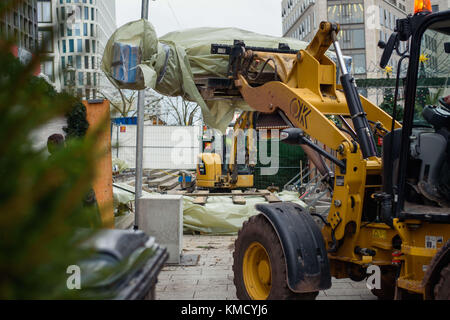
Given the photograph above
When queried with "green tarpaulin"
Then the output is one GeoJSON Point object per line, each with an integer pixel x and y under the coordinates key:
{"type": "Point", "coordinates": [220, 216]}
{"type": "Point", "coordinates": [171, 64]}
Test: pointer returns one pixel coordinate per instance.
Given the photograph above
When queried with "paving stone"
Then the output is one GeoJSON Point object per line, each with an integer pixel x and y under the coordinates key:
{"type": "Point", "coordinates": [340, 280]}
{"type": "Point", "coordinates": [202, 295]}
{"type": "Point", "coordinates": [349, 297]}
{"type": "Point", "coordinates": [341, 285]}
{"type": "Point", "coordinates": [215, 281]}
{"type": "Point", "coordinates": [191, 281]}
{"type": "Point", "coordinates": [178, 295]}
{"type": "Point", "coordinates": [212, 277]}
{"type": "Point", "coordinates": [359, 285]}
{"type": "Point", "coordinates": [368, 296]}
{"type": "Point", "coordinates": [345, 292]}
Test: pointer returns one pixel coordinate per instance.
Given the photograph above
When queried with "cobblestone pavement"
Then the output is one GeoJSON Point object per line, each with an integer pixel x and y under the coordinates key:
{"type": "Point", "coordinates": [212, 277]}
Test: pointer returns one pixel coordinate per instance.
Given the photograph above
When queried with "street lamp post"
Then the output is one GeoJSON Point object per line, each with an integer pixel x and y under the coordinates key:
{"type": "Point", "coordinates": [140, 137]}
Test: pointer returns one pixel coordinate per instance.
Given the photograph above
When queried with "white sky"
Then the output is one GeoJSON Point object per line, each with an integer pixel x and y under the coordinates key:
{"type": "Point", "coordinates": [262, 16]}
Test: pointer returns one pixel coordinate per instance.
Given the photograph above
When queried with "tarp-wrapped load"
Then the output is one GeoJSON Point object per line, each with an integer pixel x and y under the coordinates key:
{"type": "Point", "coordinates": [136, 59]}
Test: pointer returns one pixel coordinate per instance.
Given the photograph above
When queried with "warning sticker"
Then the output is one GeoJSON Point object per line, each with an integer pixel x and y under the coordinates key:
{"type": "Point", "coordinates": [431, 242]}
{"type": "Point", "coordinates": [379, 234]}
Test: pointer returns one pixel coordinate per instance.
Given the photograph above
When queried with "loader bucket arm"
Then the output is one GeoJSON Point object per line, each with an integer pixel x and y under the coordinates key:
{"type": "Point", "coordinates": [309, 98]}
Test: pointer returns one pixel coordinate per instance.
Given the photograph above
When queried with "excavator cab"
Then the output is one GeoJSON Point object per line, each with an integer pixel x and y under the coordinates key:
{"type": "Point", "coordinates": [416, 157]}
{"type": "Point", "coordinates": [423, 170]}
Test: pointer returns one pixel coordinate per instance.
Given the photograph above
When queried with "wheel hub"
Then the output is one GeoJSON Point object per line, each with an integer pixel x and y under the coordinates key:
{"type": "Point", "coordinates": [257, 272]}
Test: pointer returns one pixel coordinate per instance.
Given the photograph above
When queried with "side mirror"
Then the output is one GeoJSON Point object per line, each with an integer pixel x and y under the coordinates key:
{"type": "Point", "coordinates": [381, 44]}
{"type": "Point", "coordinates": [387, 53]}
{"type": "Point", "coordinates": [447, 47]}
{"type": "Point", "coordinates": [293, 136]}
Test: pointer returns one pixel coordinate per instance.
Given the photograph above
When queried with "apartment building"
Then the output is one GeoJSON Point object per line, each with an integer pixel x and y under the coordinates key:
{"type": "Point", "coordinates": [74, 34]}
{"type": "Point", "coordinates": [21, 23]}
{"type": "Point", "coordinates": [363, 23]}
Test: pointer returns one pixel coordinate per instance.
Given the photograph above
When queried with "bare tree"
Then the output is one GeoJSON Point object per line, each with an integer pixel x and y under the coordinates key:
{"type": "Point", "coordinates": [122, 101]}
{"type": "Point", "coordinates": [182, 112]}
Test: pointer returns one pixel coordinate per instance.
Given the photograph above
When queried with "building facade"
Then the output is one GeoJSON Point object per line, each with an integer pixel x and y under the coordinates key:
{"type": "Point", "coordinates": [74, 34]}
{"type": "Point", "coordinates": [363, 24]}
{"type": "Point", "coordinates": [22, 23]}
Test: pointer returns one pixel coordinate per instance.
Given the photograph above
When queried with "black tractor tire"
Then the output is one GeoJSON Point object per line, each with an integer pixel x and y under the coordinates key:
{"type": "Point", "coordinates": [258, 229]}
{"type": "Point", "coordinates": [442, 288]}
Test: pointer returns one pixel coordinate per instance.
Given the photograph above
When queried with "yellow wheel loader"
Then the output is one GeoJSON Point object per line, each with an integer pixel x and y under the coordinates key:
{"type": "Point", "coordinates": [389, 213]}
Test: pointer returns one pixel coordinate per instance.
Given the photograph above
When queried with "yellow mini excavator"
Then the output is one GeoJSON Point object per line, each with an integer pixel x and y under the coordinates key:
{"type": "Point", "coordinates": [388, 211]}
{"type": "Point", "coordinates": [212, 170]}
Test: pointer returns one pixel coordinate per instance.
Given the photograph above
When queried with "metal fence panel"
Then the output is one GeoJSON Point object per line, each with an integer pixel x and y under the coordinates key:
{"type": "Point", "coordinates": [165, 147]}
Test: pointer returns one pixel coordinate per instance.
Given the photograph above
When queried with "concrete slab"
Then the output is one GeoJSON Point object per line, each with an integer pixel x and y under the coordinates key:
{"type": "Point", "coordinates": [162, 218]}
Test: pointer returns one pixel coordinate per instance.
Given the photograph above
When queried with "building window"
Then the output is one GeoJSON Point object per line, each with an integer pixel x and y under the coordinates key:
{"type": "Point", "coordinates": [80, 78]}
{"type": "Point", "coordinates": [352, 39]}
{"type": "Point", "coordinates": [71, 45]}
{"type": "Point", "coordinates": [78, 59]}
{"type": "Point", "coordinates": [381, 16]}
{"type": "Point", "coordinates": [46, 40]}
{"type": "Point", "coordinates": [80, 45]}
{"type": "Point", "coordinates": [77, 29]}
{"type": "Point", "coordinates": [359, 63]}
{"type": "Point", "coordinates": [86, 13]}
{"type": "Point", "coordinates": [85, 29]}
{"type": "Point", "coordinates": [87, 45]}
{"type": "Point", "coordinates": [86, 62]}
{"type": "Point", "coordinates": [47, 69]}
{"type": "Point", "coordinates": [44, 11]}
{"type": "Point", "coordinates": [346, 13]}
{"type": "Point", "coordinates": [64, 46]}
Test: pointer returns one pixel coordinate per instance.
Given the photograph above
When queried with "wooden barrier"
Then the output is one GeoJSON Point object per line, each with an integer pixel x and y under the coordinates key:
{"type": "Point", "coordinates": [98, 114]}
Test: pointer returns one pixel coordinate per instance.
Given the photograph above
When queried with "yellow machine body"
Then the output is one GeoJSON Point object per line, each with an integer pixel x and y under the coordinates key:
{"type": "Point", "coordinates": [210, 171]}
{"type": "Point", "coordinates": [209, 174]}
{"type": "Point", "coordinates": [308, 96]}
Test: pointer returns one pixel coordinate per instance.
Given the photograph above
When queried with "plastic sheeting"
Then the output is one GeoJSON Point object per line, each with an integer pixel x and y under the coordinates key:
{"type": "Point", "coordinates": [219, 216]}
{"type": "Point", "coordinates": [171, 64]}
{"type": "Point", "coordinates": [124, 194]}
